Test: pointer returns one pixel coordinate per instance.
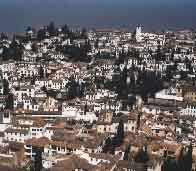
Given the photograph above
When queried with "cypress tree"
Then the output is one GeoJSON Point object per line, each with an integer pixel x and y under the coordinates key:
{"type": "Point", "coordinates": [127, 151]}
{"type": "Point", "coordinates": [38, 159]}
{"type": "Point", "coordinates": [120, 133]}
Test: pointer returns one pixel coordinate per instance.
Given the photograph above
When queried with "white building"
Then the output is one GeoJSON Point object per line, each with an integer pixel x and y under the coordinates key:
{"type": "Point", "coordinates": [189, 109]}
{"type": "Point", "coordinates": [17, 135]}
{"type": "Point", "coordinates": [138, 34]}
{"type": "Point", "coordinates": [168, 94]}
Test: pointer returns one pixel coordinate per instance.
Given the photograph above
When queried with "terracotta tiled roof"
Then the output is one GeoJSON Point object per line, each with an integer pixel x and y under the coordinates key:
{"type": "Point", "coordinates": [40, 142]}
{"type": "Point", "coordinates": [104, 156]}
{"type": "Point", "coordinates": [73, 145]}
{"type": "Point", "coordinates": [7, 168]}
{"type": "Point", "coordinates": [58, 143]}
{"type": "Point", "coordinates": [72, 163]}
{"type": "Point", "coordinates": [39, 122]}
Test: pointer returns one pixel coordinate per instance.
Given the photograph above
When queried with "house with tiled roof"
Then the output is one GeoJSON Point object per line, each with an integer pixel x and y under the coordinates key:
{"type": "Point", "coordinates": [130, 124]}
{"type": "Point", "coordinates": [17, 135]}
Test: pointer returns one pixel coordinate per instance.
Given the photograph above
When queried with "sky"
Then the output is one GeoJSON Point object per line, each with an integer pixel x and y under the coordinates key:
{"type": "Point", "coordinates": [16, 15]}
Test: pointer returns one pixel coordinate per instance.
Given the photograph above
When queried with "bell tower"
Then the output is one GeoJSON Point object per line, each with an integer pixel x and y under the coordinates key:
{"type": "Point", "coordinates": [138, 33]}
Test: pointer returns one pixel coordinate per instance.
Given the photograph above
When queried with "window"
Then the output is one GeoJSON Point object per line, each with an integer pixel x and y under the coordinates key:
{"type": "Point", "coordinates": [156, 131]}
{"type": "Point", "coordinates": [6, 115]}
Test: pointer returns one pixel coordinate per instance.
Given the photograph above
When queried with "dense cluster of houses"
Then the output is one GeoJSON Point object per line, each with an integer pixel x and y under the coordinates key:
{"type": "Point", "coordinates": [72, 110]}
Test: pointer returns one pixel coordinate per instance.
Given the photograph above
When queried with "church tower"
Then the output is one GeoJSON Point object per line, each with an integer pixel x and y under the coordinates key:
{"type": "Point", "coordinates": [138, 34]}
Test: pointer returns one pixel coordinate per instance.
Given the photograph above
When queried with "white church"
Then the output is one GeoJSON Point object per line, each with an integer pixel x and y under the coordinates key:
{"type": "Point", "coordinates": [150, 38]}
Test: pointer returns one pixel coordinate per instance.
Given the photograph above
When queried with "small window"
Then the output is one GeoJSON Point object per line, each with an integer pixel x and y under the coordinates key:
{"type": "Point", "coordinates": [6, 115]}
{"type": "Point", "coordinates": [156, 131]}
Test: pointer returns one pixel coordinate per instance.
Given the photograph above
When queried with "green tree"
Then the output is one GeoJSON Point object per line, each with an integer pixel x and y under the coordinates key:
{"type": "Point", "coordinates": [109, 146]}
{"type": "Point", "coordinates": [120, 134]}
{"type": "Point", "coordinates": [188, 159]}
{"type": "Point", "coordinates": [41, 35]}
{"type": "Point", "coordinates": [10, 102]}
{"type": "Point", "coordinates": [38, 159]}
{"type": "Point", "coordinates": [84, 34]}
{"type": "Point", "coordinates": [142, 156]}
{"type": "Point", "coordinates": [34, 47]}
{"type": "Point", "coordinates": [188, 64]}
{"type": "Point", "coordinates": [5, 87]}
{"type": "Point", "coordinates": [127, 151]}
{"type": "Point", "coordinates": [41, 72]}
{"type": "Point", "coordinates": [71, 87]}
{"type": "Point", "coordinates": [97, 43]}
{"type": "Point", "coordinates": [52, 29]}
{"type": "Point", "coordinates": [65, 29]}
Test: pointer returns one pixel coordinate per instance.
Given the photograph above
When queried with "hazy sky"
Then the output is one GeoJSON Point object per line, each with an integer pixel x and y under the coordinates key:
{"type": "Point", "coordinates": [15, 15]}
